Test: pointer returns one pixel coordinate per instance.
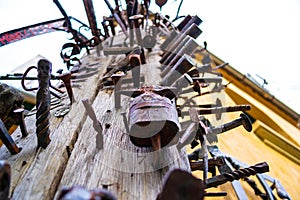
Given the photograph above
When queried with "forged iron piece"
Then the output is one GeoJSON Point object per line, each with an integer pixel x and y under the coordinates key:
{"type": "Point", "coordinates": [135, 65]}
{"type": "Point", "coordinates": [281, 192]}
{"type": "Point", "coordinates": [242, 120]}
{"type": "Point", "coordinates": [117, 18]}
{"type": "Point", "coordinates": [150, 115]}
{"type": "Point", "coordinates": [43, 103]}
{"type": "Point", "coordinates": [7, 140]}
{"type": "Point", "coordinates": [180, 185]}
{"type": "Point", "coordinates": [66, 79]}
{"type": "Point", "coordinates": [184, 22]}
{"type": "Point", "coordinates": [181, 83]}
{"type": "Point", "coordinates": [30, 31]}
{"type": "Point", "coordinates": [193, 31]}
{"type": "Point", "coordinates": [5, 178]}
{"type": "Point", "coordinates": [213, 131]}
{"type": "Point", "coordinates": [117, 81]}
{"type": "Point", "coordinates": [129, 6]}
{"type": "Point", "coordinates": [219, 110]}
{"type": "Point", "coordinates": [227, 168]}
{"type": "Point", "coordinates": [89, 9]}
{"type": "Point", "coordinates": [96, 124]}
{"type": "Point", "coordinates": [24, 77]}
{"type": "Point", "coordinates": [183, 65]}
{"type": "Point", "coordinates": [175, 36]}
{"type": "Point", "coordinates": [237, 174]}
{"type": "Point", "coordinates": [194, 20]}
{"type": "Point", "coordinates": [80, 193]}
{"type": "Point", "coordinates": [187, 46]}
{"type": "Point", "coordinates": [135, 20]}
{"type": "Point", "coordinates": [19, 114]}
{"type": "Point", "coordinates": [80, 39]}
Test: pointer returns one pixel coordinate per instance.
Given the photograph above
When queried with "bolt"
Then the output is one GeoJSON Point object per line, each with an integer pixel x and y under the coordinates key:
{"type": "Point", "coordinates": [19, 113]}
{"type": "Point", "coordinates": [7, 140]}
{"type": "Point", "coordinates": [242, 120]}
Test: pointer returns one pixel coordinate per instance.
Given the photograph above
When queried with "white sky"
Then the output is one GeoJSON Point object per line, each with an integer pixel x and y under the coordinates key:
{"type": "Point", "coordinates": [256, 37]}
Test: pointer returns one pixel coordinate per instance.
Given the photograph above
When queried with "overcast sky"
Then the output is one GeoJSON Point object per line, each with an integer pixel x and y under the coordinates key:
{"type": "Point", "coordinates": [256, 37]}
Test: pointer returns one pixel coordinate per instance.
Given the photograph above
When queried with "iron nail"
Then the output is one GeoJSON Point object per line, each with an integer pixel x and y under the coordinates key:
{"type": "Point", "coordinates": [19, 113]}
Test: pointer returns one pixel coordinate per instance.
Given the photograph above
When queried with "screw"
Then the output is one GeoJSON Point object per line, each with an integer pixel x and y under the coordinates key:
{"type": "Point", "coordinates": [19, 113]}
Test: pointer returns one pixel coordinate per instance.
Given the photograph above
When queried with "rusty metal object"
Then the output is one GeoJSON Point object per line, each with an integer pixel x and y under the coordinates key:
{"type": "Point", "coordinates": [96, 124]}
{"type": "Point", "coordinates": [117, 18]}
{"type": "Point", "coordinates": [181, 185]}
{"type": "Point", "coordinates": [188, 29]}
{"type": "Point", "coordinates": [19, 114]}
{"type": "Point", "coordinates": [43, 103]}
{"type": "Point", "coordinates": [135, 20]}
{"type": "Point", "coordinates": [7, 140]}
{"type": "Point", "coordinates": [237, 174]}
{"type": "Point", "coordinates": [187, 46]}
{"type": "Point", "coordinates": [117, 81]}
{"type": "Point", "coordinates": [5, 178]}
{"type": "Point", "coordinates": [89, 9]}
{"type": "Point", "coordinates": [184, 22]}
{"type": "Point", "coordinates": [66, 79]}
{"type": "Point", "coordinates": [135, 65]}
{"type": "Point", "coordinates": [149, 115]}
{"type": "Point", "coordinates": [183, 65]}
{"type": "Point", "coordinates": [80, 193]}
{"type": "Point", "coordinates": [219, 110]}
{"type": "Point", "coordinates": [193, 31]}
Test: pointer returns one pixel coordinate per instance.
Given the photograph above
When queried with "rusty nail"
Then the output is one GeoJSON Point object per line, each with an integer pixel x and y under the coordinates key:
{"type": "Point", "coordinates": [138, 35]}
{"type": "Point", "coordinates": [135, 64]}
{"type": "Point", "coordinates": [242, 120]}
{"type": "Point", "coordinates": [7, 140]}
{"type": "Point", "coordinates": [117, 81]}
{"type": "Point", "coordinates": [66, 79]}
{"type": "Point", "coordinates": [19, 113]}
{"type": "Point", "coordinates": [125, 121]}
